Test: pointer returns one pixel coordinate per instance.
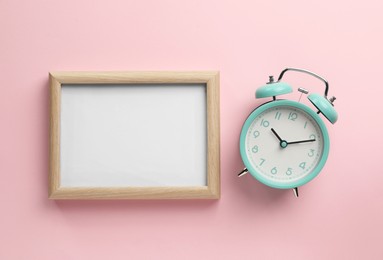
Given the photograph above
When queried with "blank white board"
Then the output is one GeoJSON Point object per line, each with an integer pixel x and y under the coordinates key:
{"type": "Point", "coordinates": [139, 135]}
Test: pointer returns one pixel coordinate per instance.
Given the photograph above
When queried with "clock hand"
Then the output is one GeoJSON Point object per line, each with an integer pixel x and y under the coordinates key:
{"type": "Point", "coordinates": [303, 141]}
{"type": "Point", "coordinates": [275, 133]}
{"type": "Point", "coordinates": [282, 143]}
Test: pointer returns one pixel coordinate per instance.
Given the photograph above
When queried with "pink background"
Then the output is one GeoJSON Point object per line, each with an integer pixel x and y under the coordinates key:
{"type": "Point", "coordinates": [338, 216]}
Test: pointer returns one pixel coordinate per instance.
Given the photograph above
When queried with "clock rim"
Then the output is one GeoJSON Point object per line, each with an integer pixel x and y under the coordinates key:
{"type": "Point", "coordinates": [285, 185]}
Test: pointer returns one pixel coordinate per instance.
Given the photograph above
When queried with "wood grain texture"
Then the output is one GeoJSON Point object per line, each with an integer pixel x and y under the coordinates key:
{"type": "Point", "coordinates": [133, 77]}
{"type": "Point", "coordinates": [210, 78]}
{"type": "Point", "coordinates": [132, 193]}
{"type": "Point", "coordinates": [54, 149]}
{"type": "Point", "coordinates": [213, 137]}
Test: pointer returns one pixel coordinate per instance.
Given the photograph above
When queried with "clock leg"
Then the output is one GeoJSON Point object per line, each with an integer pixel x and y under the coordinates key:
{"type": "Point", "coordinates": [295, 190]}
{"type": "Point", "coordinates": [243, 172]}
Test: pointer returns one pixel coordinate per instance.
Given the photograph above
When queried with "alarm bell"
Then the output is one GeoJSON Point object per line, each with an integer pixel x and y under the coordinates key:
{"type": "Point", "coordinates": [322, 103]}
{"type": "Point", "coordinates": [272, 89]}
{"type": "Point", "coordinates": [325, 106]}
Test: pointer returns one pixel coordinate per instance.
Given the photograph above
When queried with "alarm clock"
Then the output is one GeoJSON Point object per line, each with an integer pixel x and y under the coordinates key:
{"type": "Point", "coordinates": [284, 143]}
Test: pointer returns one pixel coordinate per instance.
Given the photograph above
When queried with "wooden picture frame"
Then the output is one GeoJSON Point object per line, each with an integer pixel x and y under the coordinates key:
{"type": "Point", "coordinates": [209, 79]}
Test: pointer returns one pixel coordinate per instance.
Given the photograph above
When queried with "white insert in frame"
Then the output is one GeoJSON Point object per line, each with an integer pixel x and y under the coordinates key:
{"type": "Point", "coordinates": [133, 135]}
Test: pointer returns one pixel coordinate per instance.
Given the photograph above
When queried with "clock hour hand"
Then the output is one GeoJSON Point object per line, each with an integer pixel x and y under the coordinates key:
{"type": "Point", "coordinates": [303, 141]}
{"type": "Point", "coordinates": [275, 133]}
{"type": "Point", "coordinates": [282, 143]}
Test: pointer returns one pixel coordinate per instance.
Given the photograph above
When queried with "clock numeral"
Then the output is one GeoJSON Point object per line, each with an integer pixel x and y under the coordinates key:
{"type": "Point", "coordinates": [302, 165]}
{"type": "Point", "coordinates": [278, 115]}
{"type": "Point", "coordinates": [305, 125]}
{"type": "Point", "coordinates": [255, 149]}
{"type": "Point", "coordinates": [262, 161]}
{"type": "Point", "coordinates": [312, 136]}
{"type": "Point", "coordinates": [274, 170]}
{"type": "Point", "coordinates": [311, 153]}
{"type": "Point", "coordinates": [293, 116]}
{"type": "Point", "coordinates": [289, 171]}
{"type": "Point", "coordinates": [265, 123]}
{"type": "Point", "coordinates": [256, 134]}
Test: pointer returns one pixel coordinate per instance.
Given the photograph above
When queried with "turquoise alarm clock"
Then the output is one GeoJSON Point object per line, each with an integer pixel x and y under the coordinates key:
{"type": "Point", "coordinates": [284, 143]}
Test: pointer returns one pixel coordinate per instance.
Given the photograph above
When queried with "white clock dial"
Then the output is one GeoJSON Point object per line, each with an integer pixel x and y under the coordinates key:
{"type": "Point", "coordinates": [284, 144]}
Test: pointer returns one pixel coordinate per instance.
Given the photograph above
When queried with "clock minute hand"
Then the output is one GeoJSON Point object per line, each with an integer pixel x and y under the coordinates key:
{"type": "Point", "coordinates": [303, 141]}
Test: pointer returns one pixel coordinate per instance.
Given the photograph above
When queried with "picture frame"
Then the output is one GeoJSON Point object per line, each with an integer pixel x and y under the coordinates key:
{"type": "Point", "coordinates": [71, 150]}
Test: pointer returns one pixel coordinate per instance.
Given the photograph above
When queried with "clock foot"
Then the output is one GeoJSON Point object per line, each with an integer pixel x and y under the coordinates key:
{"type": "Point", "coordinates": [295, 190]}
{"type": "Point", "coordinates": [243, 172]}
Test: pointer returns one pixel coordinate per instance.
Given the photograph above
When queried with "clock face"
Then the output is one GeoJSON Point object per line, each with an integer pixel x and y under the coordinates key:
{"type": "Point", "coordinates": [284, 144]}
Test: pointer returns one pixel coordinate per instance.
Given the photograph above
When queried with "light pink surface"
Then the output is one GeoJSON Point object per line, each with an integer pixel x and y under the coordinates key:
{"type": "Point", "coordinates": [338, 216]}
